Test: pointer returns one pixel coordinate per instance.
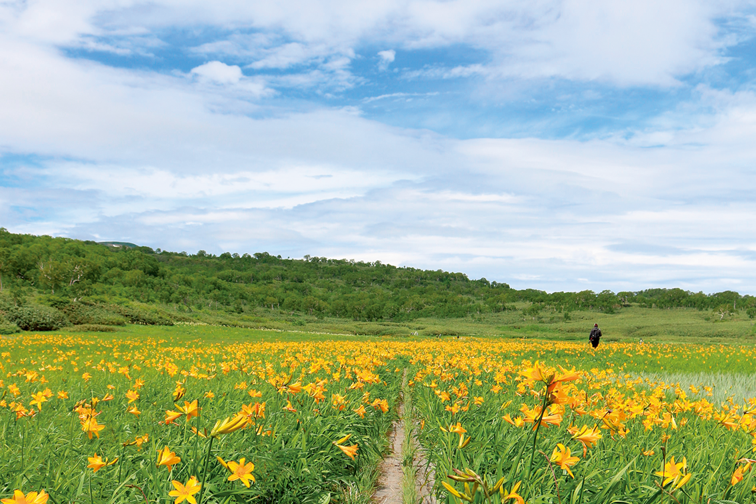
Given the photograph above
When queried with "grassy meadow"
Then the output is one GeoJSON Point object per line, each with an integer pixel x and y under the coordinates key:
{"type": "Point", "coordinates": [527, 412]}
{"type": "Point", "coordinates": [628, 324]}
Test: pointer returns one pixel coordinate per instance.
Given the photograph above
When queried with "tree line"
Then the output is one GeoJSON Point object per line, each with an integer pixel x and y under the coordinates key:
{"type": "Point", "coordinates": [74, 270]}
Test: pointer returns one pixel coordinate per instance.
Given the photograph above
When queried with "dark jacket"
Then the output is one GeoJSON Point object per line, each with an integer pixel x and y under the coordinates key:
{"type": "Point", "coordinates": [595, 334]}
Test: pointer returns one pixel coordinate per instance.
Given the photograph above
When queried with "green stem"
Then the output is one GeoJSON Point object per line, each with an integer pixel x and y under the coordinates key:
{"type": "Point", "coordinates": [517, 460]}
{"type": "Point", "coordinates": [664, 468]}
{"type": "Point", "coordinates": [582, 487]}
{"type": "Point", "coordinates": [91, 499]}
{"type": "Point", "coordinates": [120, 464]}
{"type": "Point", "coordinates": [538, 427]}
{"type": "Point", "coordinates": [196, 443]}
{"type": "Point", "coordinates": [204, 471]}
{"type": "Point", "coordinates": [23, 443]}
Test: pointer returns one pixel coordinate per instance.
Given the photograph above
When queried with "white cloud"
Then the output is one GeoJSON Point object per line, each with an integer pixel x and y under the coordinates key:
{"type": "Point", "coordinates": [286, 55]}
{"type": "Point", "coordinates": [219, 72]}
{"type": "Point", "coordinates": [386, 58]}
{"type": "Point", "coordinates": [406, 96]}
{"type": "Point", "coordinates": [536, 213]}
{"type": "Point", "coordinates": [442, 72]}
{"type": "Point", "coordinates": [644, 42]}
{"type": "Point", "coordinates": [285, 187]}
{"type": "Point", "coordinates": [200, 151]}
{"type": "Point", "coordinates": [553, 209]}
{"type": "Point", "coordinates": [307, 65]}
{"type": "Point", "coordinates": [640, 43]}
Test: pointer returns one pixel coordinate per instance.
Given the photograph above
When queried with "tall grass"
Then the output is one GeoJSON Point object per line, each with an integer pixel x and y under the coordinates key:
{"type": "Point", "coordinates": [724, 386]}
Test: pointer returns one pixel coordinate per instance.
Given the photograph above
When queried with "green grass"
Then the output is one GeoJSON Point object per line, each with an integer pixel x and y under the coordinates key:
{"type": "Point", "coordinates": [724, 386]}
{"type": "Point", "coordinates": [628, 324]}
{"type": "Point", "coordinates": [219, 334]}
{"type": "Point", "coordinates": [632, 324]}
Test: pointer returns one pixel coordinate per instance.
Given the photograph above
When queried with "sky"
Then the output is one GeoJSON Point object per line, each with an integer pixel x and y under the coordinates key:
{"type": "Point", "coordinates": [560, 145]}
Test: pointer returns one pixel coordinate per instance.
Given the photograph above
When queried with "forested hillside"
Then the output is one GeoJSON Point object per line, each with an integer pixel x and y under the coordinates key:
{"type": "Point", "coordinates": [89, 282]}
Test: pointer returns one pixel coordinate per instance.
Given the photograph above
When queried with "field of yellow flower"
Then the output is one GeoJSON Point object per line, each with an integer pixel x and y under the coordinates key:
{"type": "Point", "coordinates": [90, 420]}
{"type": "Point", "coordinates": [550, 422]}
{"type": "Point", "coordinates": [161, 420]}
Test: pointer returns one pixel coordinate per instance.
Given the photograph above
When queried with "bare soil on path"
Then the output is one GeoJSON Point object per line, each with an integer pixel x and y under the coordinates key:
{"type": "Point", "coordinates": [390, 486]}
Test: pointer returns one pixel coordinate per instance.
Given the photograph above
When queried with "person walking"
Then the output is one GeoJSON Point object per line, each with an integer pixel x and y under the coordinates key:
{"type": "Point", "coordinates": [595, 336]}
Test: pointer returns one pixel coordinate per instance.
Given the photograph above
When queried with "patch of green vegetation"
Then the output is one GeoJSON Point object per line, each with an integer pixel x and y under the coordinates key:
{"type": "Point", "coordinates": [8, 327]}
{"type": "Point", "coordinates": [715, 386]}
{"type": "Point", "coordinates": [91, 328]}
{"type": "Point", "coordinates": [50, 283]}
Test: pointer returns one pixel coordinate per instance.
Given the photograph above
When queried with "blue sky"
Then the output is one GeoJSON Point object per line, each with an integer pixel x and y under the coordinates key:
{"type": "Point", "coordinates": [560, 145]}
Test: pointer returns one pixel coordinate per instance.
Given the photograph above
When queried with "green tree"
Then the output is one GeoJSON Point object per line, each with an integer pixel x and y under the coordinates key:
{"type": "Point", "coordinates": [51, 274]}
{"type": "Point", "coordinates": [4, 256]}
{"type": "Point", "coordinates": [724, 310]}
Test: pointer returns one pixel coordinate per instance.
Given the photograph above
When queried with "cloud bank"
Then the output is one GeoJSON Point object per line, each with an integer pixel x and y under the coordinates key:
{"type": "Point", "coordinates": [287, 127]}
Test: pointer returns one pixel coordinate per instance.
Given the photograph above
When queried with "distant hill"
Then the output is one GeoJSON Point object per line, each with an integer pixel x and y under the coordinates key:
{"type": "Point", "coordinates": [85, 271]}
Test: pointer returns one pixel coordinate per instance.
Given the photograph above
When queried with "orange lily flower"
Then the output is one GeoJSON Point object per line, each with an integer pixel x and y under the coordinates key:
{"type": "Point", "coordinates": [132, 395]}
{"type": "Point", "coordinates": [185, 492]}
{"type": "Point", "coordinates": [561, 456]}
{"type": "Point", "coordinates": [96, 463]}
{"type": "Point", "coordinates": [512, 494]}
{"type": "Point", "coordinates": [171, 416]}
{"type": "Point", "coordinates": [190, 409]}
{"type": "Point", "coordinates": [241, 471]}
{"type": "Point", "coordinates": [675, 472]}
{"type": "Point", "coordinates": [361, 411]}
{"type": "Point", "coordinates": [167, 458]}
{"type": "Point", "coordinates": [588, 437]}
{"type": "Point", "coordinates": [350, 451]}
{"type": "Point", "coordinates": [30, 498]}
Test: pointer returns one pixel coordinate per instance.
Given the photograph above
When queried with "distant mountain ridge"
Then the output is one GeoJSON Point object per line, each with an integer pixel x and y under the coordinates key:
{"type": "Point", "coordinates": [78, 270]}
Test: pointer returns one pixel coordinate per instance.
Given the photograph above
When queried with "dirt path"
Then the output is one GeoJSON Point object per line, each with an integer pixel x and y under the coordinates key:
{"type": "Point", "coordinates": [394, 477]}
{"type": "Point", "coordinates": [389, 488]}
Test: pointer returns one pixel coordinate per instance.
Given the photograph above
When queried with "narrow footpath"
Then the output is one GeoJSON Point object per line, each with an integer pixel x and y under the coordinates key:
{"type": "Point", "coordinates": [401, 482]}
{"type": "Point", "coordinates": [390, 481]}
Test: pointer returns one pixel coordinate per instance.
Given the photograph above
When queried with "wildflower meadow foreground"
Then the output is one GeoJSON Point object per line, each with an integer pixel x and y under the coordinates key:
{"type": "Point", "coordinates": [92, 419]}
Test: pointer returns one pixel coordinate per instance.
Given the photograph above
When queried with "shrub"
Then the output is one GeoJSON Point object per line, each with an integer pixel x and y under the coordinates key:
{"type": "Point", "coordinates": [91, 328]}
{"type": "Point", "coordinates": [439, 331]}
{"type": "Point", "coordinates": [36, 317]}
{"type": "Point", "coordinates": [79, 313]}
{"type": "Point", "coordinates": [142, 316]}
{"type": "Point", "coordinates": [54, 301]}
{"type": "Point", "coordinates": [6, 303]}
{"type": "Point", "coordinates": [8, 327]}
